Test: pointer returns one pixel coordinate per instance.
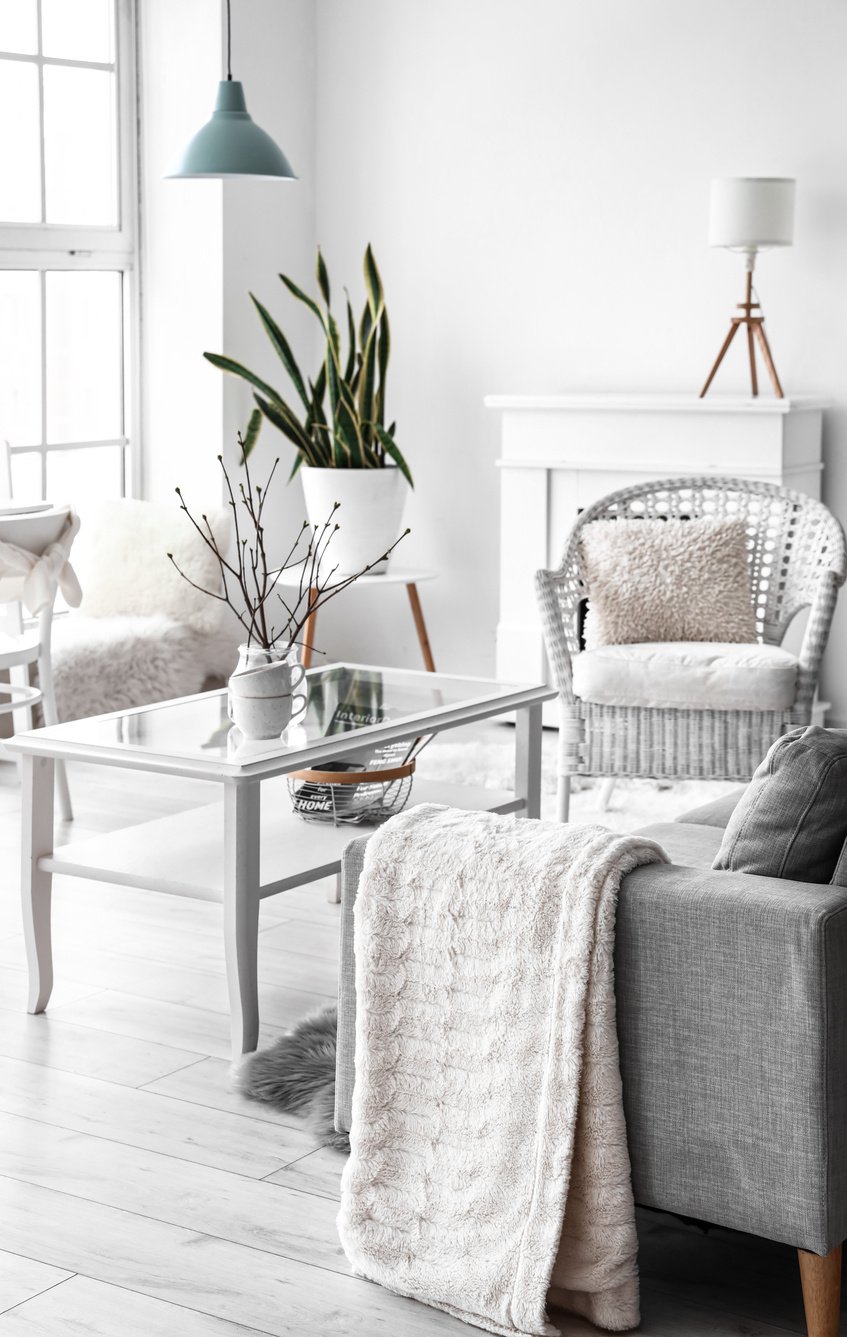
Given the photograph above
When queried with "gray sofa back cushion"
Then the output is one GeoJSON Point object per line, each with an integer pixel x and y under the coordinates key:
{"type": "Point", "coordinates": [792, 820]}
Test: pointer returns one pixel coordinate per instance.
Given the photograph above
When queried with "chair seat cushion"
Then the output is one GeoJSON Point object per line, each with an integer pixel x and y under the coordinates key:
{"type": "Point", "coordinates": [687, 675]}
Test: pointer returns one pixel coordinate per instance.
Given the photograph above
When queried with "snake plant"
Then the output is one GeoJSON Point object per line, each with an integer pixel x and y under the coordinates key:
{"type": "Point", "coordinates": [339, 422]}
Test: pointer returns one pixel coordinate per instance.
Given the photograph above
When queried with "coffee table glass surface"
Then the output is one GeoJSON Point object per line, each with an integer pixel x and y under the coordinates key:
{"type": "Point", "coordinates": [348, 705]}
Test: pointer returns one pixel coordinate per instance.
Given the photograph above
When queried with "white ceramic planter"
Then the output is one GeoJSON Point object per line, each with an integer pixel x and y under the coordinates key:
{"type": "Point", "coordinates": [371, 512]}
{"type": "Point", "coordinates": [262, 696]}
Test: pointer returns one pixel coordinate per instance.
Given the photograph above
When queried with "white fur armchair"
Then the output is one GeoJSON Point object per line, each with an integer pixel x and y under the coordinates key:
{"type": "Point", "coordinates": [141, 633]}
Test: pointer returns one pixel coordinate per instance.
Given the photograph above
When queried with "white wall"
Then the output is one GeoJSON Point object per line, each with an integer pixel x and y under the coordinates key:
{"type": "Point", "coordinates": [534, 177]}
{"type": "Point", "coordinates": [207, 243]}
{"type": "Point", "coordinates": [182, 253]}
{"type": "Point", "coordinates": [268, 229]}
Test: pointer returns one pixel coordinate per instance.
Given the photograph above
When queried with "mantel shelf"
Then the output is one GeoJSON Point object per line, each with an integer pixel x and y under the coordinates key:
{"type": "Point", "coordinates": [655, 403]}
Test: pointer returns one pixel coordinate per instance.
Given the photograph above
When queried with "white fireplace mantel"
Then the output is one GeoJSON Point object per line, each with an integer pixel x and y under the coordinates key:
{"type": "Point", "coordinates": [561, 453]}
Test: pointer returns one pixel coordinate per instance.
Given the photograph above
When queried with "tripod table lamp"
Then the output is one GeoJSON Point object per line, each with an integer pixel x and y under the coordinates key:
{"type": "Point", "coordinates": [750, 214]}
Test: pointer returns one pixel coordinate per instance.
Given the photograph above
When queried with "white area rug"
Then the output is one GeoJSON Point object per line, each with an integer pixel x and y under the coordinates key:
{"type": "Point", "coordinates": [489, 760]}
{"type": "Point", "coordinates": [489, 1171]}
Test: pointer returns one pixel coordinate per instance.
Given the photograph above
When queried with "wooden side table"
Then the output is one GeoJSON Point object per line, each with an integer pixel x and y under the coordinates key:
{"type": "Point", "coordinates": [411, 579]}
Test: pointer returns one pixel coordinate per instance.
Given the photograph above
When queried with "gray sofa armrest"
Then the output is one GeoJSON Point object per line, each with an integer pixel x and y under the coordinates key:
{"type": "Point", "coordinates": [732, 1018]}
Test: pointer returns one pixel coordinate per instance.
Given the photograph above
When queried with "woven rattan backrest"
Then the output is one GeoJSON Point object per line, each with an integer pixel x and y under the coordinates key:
{"type": "Point", "coordinates": [791, 538]}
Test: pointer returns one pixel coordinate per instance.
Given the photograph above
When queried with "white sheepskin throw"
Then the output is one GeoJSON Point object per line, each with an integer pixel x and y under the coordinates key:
{"type": "Point", "coordinates": [115, 663]}
{"type": "Point", "coordinates": [489, 1173]}
{"type": "Point", "coordinates": [666, 580]}
{"type": "Point", "coordinates": [121, 558]}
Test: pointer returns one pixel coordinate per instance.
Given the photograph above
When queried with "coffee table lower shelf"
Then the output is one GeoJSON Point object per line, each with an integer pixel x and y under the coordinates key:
{"type": "Point", "coordinates": [152, 855]}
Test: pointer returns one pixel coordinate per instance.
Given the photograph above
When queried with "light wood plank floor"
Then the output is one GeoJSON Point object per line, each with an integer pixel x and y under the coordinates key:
{"type": "Point", "coordinates": [141, 1196]}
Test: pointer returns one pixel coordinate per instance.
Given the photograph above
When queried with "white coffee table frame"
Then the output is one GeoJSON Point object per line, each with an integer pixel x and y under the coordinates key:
{"type": "Point", "coordinates": [242, 888]}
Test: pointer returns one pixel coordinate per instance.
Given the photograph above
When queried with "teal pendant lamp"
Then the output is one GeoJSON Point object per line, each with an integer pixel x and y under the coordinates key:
{"type": "Point", "coordinates": [231, 144]}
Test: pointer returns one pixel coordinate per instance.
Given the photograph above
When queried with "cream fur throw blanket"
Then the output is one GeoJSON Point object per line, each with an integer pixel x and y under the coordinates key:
{"type": "Point", "coordinates": [489, 1173]}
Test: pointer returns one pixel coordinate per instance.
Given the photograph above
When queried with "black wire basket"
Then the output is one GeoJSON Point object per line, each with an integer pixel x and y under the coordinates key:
{"type": "Point", "coordinates": [345, 793]}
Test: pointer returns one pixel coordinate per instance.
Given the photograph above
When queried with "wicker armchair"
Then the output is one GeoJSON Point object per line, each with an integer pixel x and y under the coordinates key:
{"type": "Point", "coordinates": [798, 560]}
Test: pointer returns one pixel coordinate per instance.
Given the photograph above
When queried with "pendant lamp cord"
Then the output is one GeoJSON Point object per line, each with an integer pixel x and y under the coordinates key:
{"type": "Point", "coordinates": [228, 42]}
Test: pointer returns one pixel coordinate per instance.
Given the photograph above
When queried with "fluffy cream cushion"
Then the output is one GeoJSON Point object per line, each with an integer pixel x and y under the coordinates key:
{"type": "Point", "coordinates": [121, 558]}
{"type": "Point", "coordinates": [666, 580]}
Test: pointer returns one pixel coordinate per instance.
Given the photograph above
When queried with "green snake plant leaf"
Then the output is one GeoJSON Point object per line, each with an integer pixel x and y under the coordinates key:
{"type": "Point", "coordinates": [323, 278]}
{"type": "Point", "coordinates": [306, 300]}
{"type": "Point", "coordinates": [316, 423]}
{"type": "Point", "coordinates": [298, 460]}
{"type": "Point", "coordinates": [349, 437]}
{"type": "Point", "coordinates": [335, 339]}
{"type": "Point", "coordinates": [384, 353]}
{"type": "Point", "coordinates": [393, 453]}
{"type": "Point", "coordinates": [288, 423]}
{"type": "Point", "coordinates": [365, 325]}
{"type": "Point", "coordinates": [373, 285]}
{"type": "Point", "coordinates": [350, 369]}
{"type": "Point", "coordinates": [251, 436]}
{"type": "Point", "coordinates": [367, 381]}
{"type": "Point", "coordinates": [282, 348]}
{"type": "Point", "coordinates": [235, 368]}
{"type": "Point", "coordinates": [332, 385]}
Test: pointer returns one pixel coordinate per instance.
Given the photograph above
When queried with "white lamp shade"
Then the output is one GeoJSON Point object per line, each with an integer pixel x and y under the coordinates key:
{"type": "Point", "coordinates": [748, 213]}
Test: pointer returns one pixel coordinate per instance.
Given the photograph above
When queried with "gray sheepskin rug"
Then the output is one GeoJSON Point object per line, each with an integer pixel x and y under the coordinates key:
{"type": "Point", "coordinates": [297, 1074]}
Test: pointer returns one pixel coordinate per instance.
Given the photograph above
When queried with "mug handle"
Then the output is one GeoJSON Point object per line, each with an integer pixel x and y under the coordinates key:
{"type": "Point", "coordinates": [294, 668]}
{"type": "Point", "coordinates": [295, 709]}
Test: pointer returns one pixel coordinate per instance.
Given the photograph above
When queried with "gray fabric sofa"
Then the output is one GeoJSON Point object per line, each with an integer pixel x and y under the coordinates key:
{"type": "Point", "coordinates": [732, 1017]}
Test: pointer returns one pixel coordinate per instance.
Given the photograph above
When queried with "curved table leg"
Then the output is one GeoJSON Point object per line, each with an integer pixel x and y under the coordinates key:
{"type": "Point", "coordinates": [37, 885]}
{"type": "Point", "coordinates": [242, 809]}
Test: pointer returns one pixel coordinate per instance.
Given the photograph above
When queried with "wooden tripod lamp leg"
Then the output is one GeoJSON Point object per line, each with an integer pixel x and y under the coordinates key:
{"type": "Point", "coordinates": [821, 1281]}
{"type": "Point", "coordinates": [751, 352]}
{"type": "Point", "coordinates": [766, 354]}
{"type": "Point", "coordinates": [733, 330]}
{"type": "Point", "coordinates": [309, 633]}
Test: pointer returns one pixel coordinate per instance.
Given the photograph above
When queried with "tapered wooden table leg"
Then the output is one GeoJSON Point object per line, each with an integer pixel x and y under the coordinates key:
{"type": "Point", "coordinates": [36, 884]}
{"type": "Point", "coordinates": [242, 810]}
{"type": "Point", "coordinates": [821, 1281]}
{"type": "Point", "coordinates": [309, 633]}
{"type": "Point", "coordinates": [420, 627]}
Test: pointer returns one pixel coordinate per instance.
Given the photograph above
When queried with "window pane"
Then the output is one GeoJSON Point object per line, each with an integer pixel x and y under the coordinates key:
{"type": "Point", "coordinates": [84, 476]}
{"type": "Point", "coordinates": [26, 476]}
{"type": "Point", "coordinates": [78, 31]}
{"type": "Point", "coordinates": [19, 26]}
{"type": "Point", "coordinates": [84, 359]}
{"type": "Point", "coordinates": [20, 150]}
{"type": "Point", "coordinates": [80, 153]}
{"type": "Point", "coordinates": [20, 357]}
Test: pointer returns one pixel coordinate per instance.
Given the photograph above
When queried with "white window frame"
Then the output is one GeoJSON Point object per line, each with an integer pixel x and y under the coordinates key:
{"type": "Point", "coordinates": [43, 247]}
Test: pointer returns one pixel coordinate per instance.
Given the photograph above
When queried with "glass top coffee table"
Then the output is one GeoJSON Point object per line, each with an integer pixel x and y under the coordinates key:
{"type": "Point", "coordinates": [233, 852]}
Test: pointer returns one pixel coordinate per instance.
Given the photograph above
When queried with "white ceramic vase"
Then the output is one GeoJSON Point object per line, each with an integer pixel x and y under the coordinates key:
{"type": "Point", "coordinates": [371, 505]}
{"type": "Point", "coordinates": [262, 696]}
